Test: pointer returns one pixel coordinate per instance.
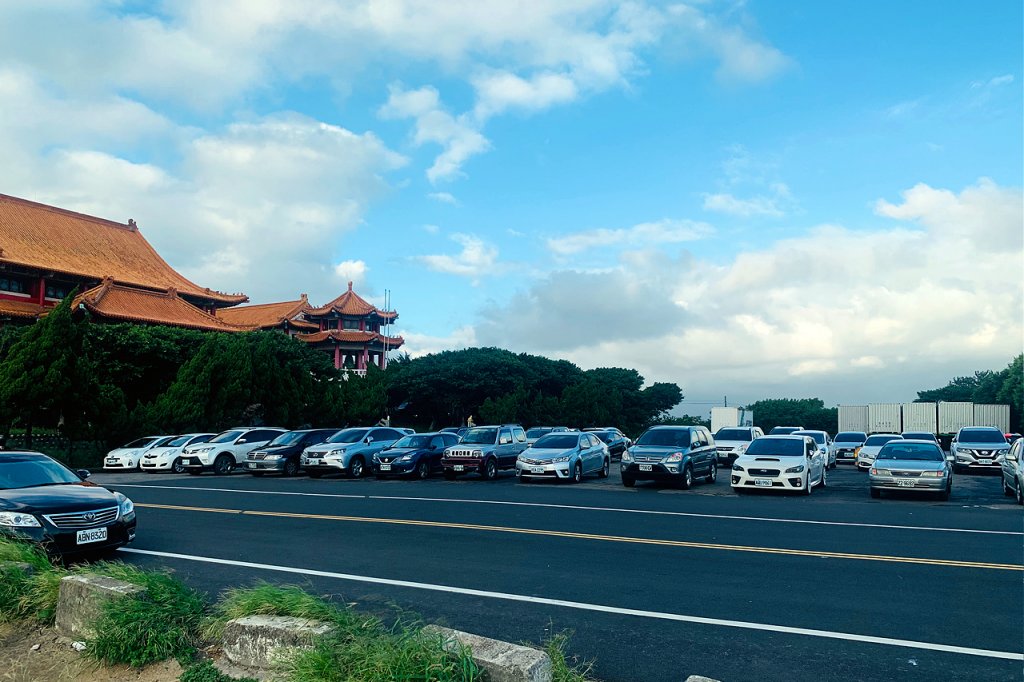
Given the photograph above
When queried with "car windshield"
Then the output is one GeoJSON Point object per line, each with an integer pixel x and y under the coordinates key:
{"type": "Point", "coordinates": [557, 441]}
{"type": "Point", "coordinates": [918, 435]}
{"type": "Point", "coordinates": [287, 438]}
{"type": "Point", "coordinates": [733, 434]}
{"type": "Point", "coordinates": [919, 452]}
{"type": "Point", "coordinates": [777, 447]}
{"type": "Point", "coordinates": [678, 438]}
{"type": "Point", "coordinates": [140, 443]}
{"type": "Point", "coordinates": [226, 437]}
{"type": "Point", "coordinates": [818, 436]}
{"type": "Point", "coordinates": [32, 472]}
{"type": "Point", "coordinates": [348, 436]}
{"type": "Point", "coordinates": [981, 436]}
{"type": "Point", "coordinates": [880, 440]}
{"type": "Point", "coordinates": [538, 432]}
{"type": "Point", "coordinates": [483, 436]}
{"type": "Point", "coordinates": [851, 437]}
{"type": "Point", "coordinates": [177, 442]}
{"type": "Point", "coordinates": [417, 441]}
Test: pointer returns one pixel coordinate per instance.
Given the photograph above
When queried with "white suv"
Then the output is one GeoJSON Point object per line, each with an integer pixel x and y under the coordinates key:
{"type": "Point", "coordinates": [222, 452]}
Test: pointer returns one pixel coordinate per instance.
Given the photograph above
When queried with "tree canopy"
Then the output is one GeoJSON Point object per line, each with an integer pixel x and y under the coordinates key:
{"type": "Point", "coordinates": [1004, 387]}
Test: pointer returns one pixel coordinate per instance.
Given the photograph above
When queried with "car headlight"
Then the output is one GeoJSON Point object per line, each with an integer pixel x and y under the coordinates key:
{"type": "Point", "coordinates": [478, 453]}
{"type": "Point", "coordinates": [741, 449]}
{"type": "Point", "coordinates": [272, 457]}
{"type": "Point", "coordinates": [627, 456]}
{"type": "Point", "coordinates": [559, 460]}
{"type": "Point", "coordinates": [405, 458]}
{"type": "Point", "coordinates": [336, 453]}
{"type": "Point", "coordinates": [795, 470]}
{"type": "Point", "coordinates": [18, 520]}
{"type": "Point", "coordinates": [737, 467]}
{"type": "Point", "coordinates": [675, 457]}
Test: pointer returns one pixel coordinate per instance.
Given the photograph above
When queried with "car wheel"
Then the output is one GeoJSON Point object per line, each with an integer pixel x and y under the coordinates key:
{"type": "Point", "coordinates": [490, 469]}
{"type": "Point", "coordinates": [713, 474]}
{"type": "Point", "coordinates": [876, 493]}
{"type": "Point", "coordinates": [824, 478]}
{"type": "Point", "coordinates": [687, 480]}
{"type": "Point", "coordinates": [1007, 490]}
{"type": "Point", "coordinates": [357, 467]}
{"type": "Point", "coordinates": [291, 468]}
{"type": "Point", "coordinates": [178, 466]}
{"type": "Point", "coordinates": [605, 468]}
{"type": "Point", "coordinates": [808, 488]}
{"type": "Point", "coordinates": [223, 465]}
{"type": "Point", "coordinates": [577, 473]}
{"type": "Point", "coordinates": [1020, 493]}
{"type": "Point", "coordinates": [423, 470]}
{"type": "Point", "coordinates": [314, 474]}
{"type": "Point", "coordinates": [628, 481]}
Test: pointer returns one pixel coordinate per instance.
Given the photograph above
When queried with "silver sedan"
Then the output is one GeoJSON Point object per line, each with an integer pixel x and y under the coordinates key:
{"type": "Point", "coordinates": [911, 465]}
{"type": "Point", "coordinates": [566, 456]}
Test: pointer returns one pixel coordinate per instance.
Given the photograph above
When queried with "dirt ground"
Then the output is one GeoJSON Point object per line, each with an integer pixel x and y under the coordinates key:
{"type": "Point", "coordinates": [30, 654]}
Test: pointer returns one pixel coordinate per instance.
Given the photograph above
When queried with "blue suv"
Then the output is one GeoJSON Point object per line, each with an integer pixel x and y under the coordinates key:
{"type": "Point", "coordinates": [674, 454]}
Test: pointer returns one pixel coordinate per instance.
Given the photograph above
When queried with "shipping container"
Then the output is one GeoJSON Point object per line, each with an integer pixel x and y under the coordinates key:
{"type": "Point", "coordinates": [955, 416]}
{"type": "Point", "coordinates": [920, 417]}
{"type": "Point", "coordinates": [853, 418]}
{"type": "Point", "coordinates": [746, 417]}
{"type": "Point", "coordinates": [992, 415]}
{"type": "Point", "coordinates": [722, 417]}
{"type": "Point", "coordinates": [884, 418]}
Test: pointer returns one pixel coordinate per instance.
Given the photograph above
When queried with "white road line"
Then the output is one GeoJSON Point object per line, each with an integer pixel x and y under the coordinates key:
{"type": "Point", "coordinates": [744, 625]}
{"type": "Point", "coordinates": [620, 510]}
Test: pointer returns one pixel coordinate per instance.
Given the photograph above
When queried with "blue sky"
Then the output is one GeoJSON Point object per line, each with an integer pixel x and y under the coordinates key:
{"type": "Point", "coordinates": [751, 199]}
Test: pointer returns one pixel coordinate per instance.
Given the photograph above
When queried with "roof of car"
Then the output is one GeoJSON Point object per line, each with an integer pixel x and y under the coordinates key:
{"type": "Point", "coordinates": [783, 436]}
{"type": "Point", "coordinates": [13, 455]}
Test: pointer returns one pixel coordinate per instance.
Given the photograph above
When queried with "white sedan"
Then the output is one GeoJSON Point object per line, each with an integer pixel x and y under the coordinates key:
{"type": "Point", "coordinates": [780, 463]}
{"type": "Point", "coordinates": [167, 457]}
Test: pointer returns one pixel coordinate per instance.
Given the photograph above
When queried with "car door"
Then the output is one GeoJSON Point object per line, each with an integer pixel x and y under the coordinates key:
{"type": "Point", "coordinates": [710, 451]}
{"type": "Point", "coordinates": [505, 450]}
{"type": "Point", "coordinates": [696, 453]}
{"type": "Point", "coordinates": [437, 445]}
{"type": "Point", "coordinates": [1010, 464]}
{"type": "Point", "coordinates": [587, 453]}
{"type": "Point", "coordinates": [815, 463]}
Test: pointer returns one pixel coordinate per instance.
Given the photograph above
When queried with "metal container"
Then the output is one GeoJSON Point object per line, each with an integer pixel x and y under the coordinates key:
{"type": "Point", "coordinates": [992, 415]}
{"type": "Point", "coordinates": [920, 417]}
{"type": "Point", "coordinates": [955, 416]}
{"type": "Point", "coordinates": [722, 417]}
{"type": "Point", "coordinates": [853, 418]}
{"type": "Point", "coordinates": [884, 418]}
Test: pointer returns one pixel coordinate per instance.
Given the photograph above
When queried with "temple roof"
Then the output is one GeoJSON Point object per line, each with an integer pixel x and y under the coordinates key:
{"type": "Point", "coordinates": [118, 302]}
{"type": "Point", "coordinates": [57, 240]}
{"type": "Point", "coordinates": [351, 336]}
{"type": "Point", "coordinates": [351, 303]}
{"type": "Point", "coordinates": [268, 315]}
{"type": "Point", "coordinates": [25, 309]}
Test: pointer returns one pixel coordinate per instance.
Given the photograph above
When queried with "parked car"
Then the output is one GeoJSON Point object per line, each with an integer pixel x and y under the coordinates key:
{"type": "Point", "coordinates": [824, 442]}
{"type": "Point", "coordinates": [167, 457]}
{"type": "Point", "coordinates": [459, 431]}
{"type": "Point", "coordinates": [418, 455]}
{"type": "Point", "coordinates": [44, 501]}
{"type": "Point", "coordinates": [784, 430]}
{"type": "Point", "coordinates": [282, 455]}
{"type": "Point", "coordinates": [920, 435]}
{"type": "Point", "coordinates": [535, 432]}
{"type": "Point", "coordinates": [1012, 438]}
{"type": "Point", "coordinates": [485, 450]}
{"type": "Point", "coordinates": [780, 463]}
{"type": "Point", "coordinates": [1013, 471]}
{"type": "Point", "coordinates": [918, 465]}
{"type": "Point", "coordinates": [127, 457]}
{"type": "Point", "coordinates": [614, 439]}
{"type": "Point", "coordinates": [567, 456]}
{"type": "Point", "coordinates": [846, 444]}
{"type": "Point", "coordinates": [677, 454]}
{"type": "Point", "coordinates": [866, 453]}
{"type": "Point", "coordinates": [222, 453]}
{"type": "Point", "coordinates": [732, 441]}
{"type": "Point", "coordinates": [978, 447]}
{"type": "Point", "coordinates": [348, 452]}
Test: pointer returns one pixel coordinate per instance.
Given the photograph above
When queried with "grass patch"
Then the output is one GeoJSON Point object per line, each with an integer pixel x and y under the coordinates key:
{"type": "Point", "coordinates": [203, 671]}
{"type": "Point", "coordinates": [563, 668]}
{"type": "Point", "coordinates": [28, 594]}
{"type": "Point", "coordinates": [161, 623]}
{"type": "Point", "coordinates": [264, 599]}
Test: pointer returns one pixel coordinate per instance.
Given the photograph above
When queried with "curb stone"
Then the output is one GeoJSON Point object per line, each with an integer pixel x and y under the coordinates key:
{"type": "Point", "coordinates": [81, 600]}
{"type": "Point", "coordinates": [503, 661]}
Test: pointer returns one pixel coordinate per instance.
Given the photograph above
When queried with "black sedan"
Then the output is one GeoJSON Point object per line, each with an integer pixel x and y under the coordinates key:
{"type": "Point", "coordinates": [417, 455]}
{"type": "Point", "coordinates": [44, 501]}
{"type": "Point", "coordinates": [614, 439]}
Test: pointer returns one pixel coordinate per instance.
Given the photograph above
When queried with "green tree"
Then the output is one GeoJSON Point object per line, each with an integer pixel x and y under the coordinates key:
{"type": "Point", "coordinates": [809, 413]}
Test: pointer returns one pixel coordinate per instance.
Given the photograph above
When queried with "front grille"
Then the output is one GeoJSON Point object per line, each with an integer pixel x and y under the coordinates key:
{"type": "Point", "coordinates": [764, 473]}
{"type": "Point", "coordinates": [258, 456]}
{"type": "Point", "coordinates": [86, 519]}
{"type": "Point", "coordinates": [905, 474]}
{"type": "Point", "coordinates": [535, 462]}
{"type": "Point", "coordinates": [723, 449]}
{"type": "Point", "coordinates": [461, 453]}
{"type": "Point", "coordinates": [648, 458]}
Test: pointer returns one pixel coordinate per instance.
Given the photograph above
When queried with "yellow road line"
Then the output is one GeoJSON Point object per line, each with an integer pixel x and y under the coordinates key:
{"type": "Point", "coordinates": [603, 538]}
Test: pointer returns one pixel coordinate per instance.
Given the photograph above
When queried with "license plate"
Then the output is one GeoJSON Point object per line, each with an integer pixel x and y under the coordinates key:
{"type": "Point", "coordinates": [385, 467]}
{"type": "Point", "coordinates": [252, 465]}
{"type": "Point", "coordinates": [905, 483]}
{"type": "Point", "coordinates": [459, 467]}
{"type": "Point", "coordinates": [312, 462]}
{"type": "Point", "coordinates": [92, 535]}
{"type": "Point", "coordinates": [111, 461]}
{"type": "Point", "coordinates": [536, 470]}
{"type": "Point", "coordinates": [646, 467]}
{"type": "Point", "coordinates": [763, 482]}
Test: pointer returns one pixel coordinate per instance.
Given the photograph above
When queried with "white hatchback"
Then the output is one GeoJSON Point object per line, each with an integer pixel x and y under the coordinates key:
{"type": "Point", "coordinates": [127, 457]}
{"type": "Point", "coordinates": [167, 457]}
{"type": "Point", "coordinates": [780, 463]}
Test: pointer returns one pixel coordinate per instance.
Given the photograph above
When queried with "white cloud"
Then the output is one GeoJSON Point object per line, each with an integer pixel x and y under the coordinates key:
{"type": "Point", "coordinates": [995, 82]}
{"type": "Point", "coordinates": [477, 259]}
{"type": "Point", "coordinates": [761, 205]}
{"type": "Point", "coordinates": [417, 345]}
{"type": "Point", "coordinates": [444, 198]}
{"type": "Point", "coordinates": [352, 271]}
{"type": "Point", "coordinates": [639, 236]}
{"type": "Point", "coordinates": [501, 90]}
{"type": "Point", "coordinates": [431, 229]}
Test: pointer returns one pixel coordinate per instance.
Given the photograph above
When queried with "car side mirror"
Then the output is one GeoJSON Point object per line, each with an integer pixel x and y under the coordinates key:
{"type": "Point", "coordinates": [368, 440]}
{"type": "Point", "coordinates": [83, 473]}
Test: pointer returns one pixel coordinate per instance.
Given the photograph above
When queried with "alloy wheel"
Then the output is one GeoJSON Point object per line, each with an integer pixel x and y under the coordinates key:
{"type": "Point", "coordinates": [356, 468]}
{"type": "Point", "coordinates": [178, 466]}
{"type": "Point", "coordinates": [423, 470]}
{"type": "Point", "coordinates": [577, 473]}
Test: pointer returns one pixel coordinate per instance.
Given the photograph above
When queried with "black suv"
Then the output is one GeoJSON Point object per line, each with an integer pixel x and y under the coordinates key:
{"type": "Point", "coordinates": [281, 455]}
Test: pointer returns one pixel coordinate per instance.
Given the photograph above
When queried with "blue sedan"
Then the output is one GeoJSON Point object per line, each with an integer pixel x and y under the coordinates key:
{"type": "Point", "coordinates": [417, 455]}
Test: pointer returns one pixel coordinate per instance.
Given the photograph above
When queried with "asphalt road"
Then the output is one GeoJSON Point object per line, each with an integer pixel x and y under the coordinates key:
{"type": "Point", "coordinates": [656, 584]}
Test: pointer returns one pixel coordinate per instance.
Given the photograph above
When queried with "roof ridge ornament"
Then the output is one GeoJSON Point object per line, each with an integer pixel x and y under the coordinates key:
{"type": "Point", "coordinates": [132, 225]}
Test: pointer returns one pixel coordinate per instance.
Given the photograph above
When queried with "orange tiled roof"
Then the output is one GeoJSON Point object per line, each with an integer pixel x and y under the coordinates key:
{"type": "Point", "coordinates": [268, 315]}
{"type": "Point", "coordinates": [351, 336]}
{"type": "Point", "coordinates": [26, 309]}
{"type": "Point", "coordinates": [57, 240]}
{"type": "Point", "coordinates": [351, 303]}
{"type": "Point", "coordinates": [139, 305]}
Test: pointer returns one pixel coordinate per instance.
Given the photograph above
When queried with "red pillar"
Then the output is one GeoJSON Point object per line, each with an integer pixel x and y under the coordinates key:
{"type": "Point", "coordinates": [337, 357]}
{"type": "Point", "coordinates": [41, 297]}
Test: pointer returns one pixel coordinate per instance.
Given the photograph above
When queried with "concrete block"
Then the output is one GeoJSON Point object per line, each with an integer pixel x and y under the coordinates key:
{"type": "Point", "coordinates": [261, 642]}
{"type": "Point", "coordinates": [81, 602]}
{"type": "Point", "coordinates": [699, 678]}
{"type": "Point", "coordinates": [503, 661]}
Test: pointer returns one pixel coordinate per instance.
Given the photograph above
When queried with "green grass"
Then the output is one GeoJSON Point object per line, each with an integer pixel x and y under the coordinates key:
{"type": "Point", "coordinates": [162, 623]}
{"type": "Point", "coordinates": [203, 671]}
{"type": "Point", "coordinates": [264, 599]}
{"type": "Point", "coordinates": [32, 594]}
{"type": "Point", "coordinates": [564, 669]}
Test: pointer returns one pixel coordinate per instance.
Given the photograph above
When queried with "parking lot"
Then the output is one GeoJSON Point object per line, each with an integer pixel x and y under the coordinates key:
{"type": "Point", "coordinates": [656, 583]}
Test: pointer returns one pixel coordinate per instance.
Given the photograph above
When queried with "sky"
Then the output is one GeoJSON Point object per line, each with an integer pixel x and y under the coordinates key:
{"type": "Point", "coordinates": [751, 199]}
